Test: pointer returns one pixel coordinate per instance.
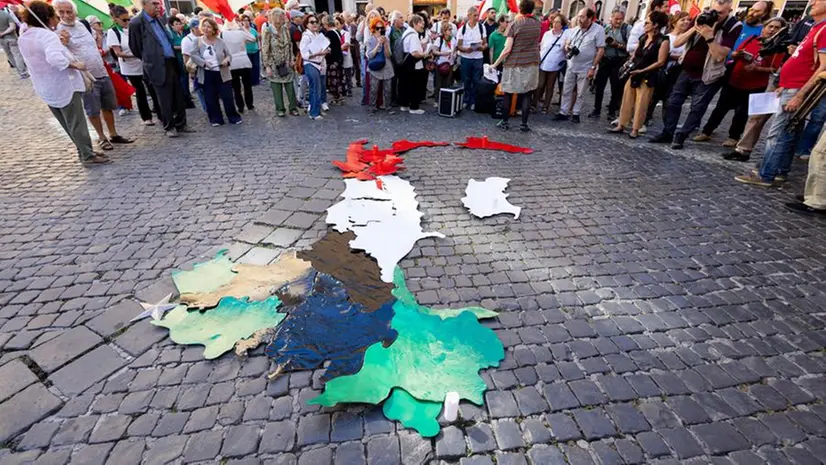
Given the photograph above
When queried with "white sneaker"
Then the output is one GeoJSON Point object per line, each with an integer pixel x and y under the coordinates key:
{"type": "Point", "coordinates": [643, 129]}
{"type": "Point", "coordinates": [615, 122]}
{"type": "Point", "coordinates": [325, 107]}
{"type": "Point", "coordinates": [317, 118]}
{"type": "Point", "coordinates": [122, 112]}
{"type": "Point", "coordinates": [417, 112]}
{"type": "Point", "coordinates": [404, 108]}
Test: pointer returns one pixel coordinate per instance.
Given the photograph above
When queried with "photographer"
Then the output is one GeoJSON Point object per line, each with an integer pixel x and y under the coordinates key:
{"type": "Point", "coordinates": [749, 75]}
{"type": "Point", "coordinates": [637, 31]}
{"type": "Point", "coordinates": [616, 38]}
{"type": "Point", "coordinates": [708, 44]}
{"type": "Point", "coordinates": [584, 47]}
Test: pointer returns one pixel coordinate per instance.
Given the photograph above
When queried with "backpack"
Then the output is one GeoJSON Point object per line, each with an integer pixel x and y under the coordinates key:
{"type": "Point", "coordinates": [398, 49]}
{"type": "Point", "coordinates": [88, 26]}
{"type": "Point", "coordinates": [120, 42]}
{"type": "Point", "coordinates": [624, 30]}
{"type": "Point", "coordinates": [481, 31]}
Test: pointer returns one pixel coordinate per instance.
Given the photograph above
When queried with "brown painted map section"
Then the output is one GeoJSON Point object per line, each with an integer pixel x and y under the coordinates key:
{"type": "Point", "coordinates": [358, 272]}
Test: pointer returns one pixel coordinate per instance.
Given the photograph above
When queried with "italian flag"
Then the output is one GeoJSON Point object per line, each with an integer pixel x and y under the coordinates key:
{"type": "Point", "coordinates": [501, 6]}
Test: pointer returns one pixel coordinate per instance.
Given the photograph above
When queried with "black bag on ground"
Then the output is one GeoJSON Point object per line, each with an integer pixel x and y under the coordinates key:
{"type": "Point", "coordinates": [485, 96]}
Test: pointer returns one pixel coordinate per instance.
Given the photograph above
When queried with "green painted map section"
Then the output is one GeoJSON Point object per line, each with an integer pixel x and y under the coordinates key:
{"type": "Point", "coordinates": [219, 328]}
{"type": "Point", "coordinates": [205, 277]}
{"type": "Point", "coordinates": [431, 357]}
{"type": "Point", "coordinates": [413, 413]}
{"type": "Point", "coordinates": [404, 295]}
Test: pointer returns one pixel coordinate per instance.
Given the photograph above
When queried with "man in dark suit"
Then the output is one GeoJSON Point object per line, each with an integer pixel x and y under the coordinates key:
{"type": "Point", "coordinates": [149, 41]}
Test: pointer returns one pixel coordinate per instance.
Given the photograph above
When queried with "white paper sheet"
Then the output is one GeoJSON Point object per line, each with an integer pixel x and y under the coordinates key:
{"type": "Point", "coordinates": [488, 198]}
{"type": "Point", "coordinates": [763, 104]}
{"type": "Point", "coordinates": [319, 44]}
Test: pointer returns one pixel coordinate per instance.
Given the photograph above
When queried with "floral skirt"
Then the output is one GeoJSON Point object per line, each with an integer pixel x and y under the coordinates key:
{"type": "Point", "coordinates": [520, 79]}
{"type": "Point", "coordinates": [335, 80]}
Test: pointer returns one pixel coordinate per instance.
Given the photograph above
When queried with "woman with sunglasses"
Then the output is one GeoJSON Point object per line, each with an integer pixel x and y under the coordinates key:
{"type": "Point", "coordinates": [279, 62]}
{"type": "Point", "coordinates": [314, 64]}
{"type": "Point", "coordinates": [378, 80]}
{"type": "Point", "coordinates": [213, 60]}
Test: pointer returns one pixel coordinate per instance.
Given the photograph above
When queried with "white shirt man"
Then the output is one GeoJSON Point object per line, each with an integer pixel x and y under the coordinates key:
{"type": "Point", "coordinates": [584, 45]}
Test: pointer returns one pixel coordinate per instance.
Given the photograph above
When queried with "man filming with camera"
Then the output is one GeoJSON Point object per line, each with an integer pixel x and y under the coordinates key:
{"type": "Point", "coordinates": [708, 44]}
{"type": "Point", "coordinates": [583, 50]}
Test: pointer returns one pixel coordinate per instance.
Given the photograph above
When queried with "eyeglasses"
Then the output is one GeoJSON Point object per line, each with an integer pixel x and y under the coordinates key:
{"type": "Point", "coordinates": [312, 22]}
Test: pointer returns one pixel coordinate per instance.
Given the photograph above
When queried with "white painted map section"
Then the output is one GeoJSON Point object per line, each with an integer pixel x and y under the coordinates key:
{"type": "Point", "coordinates": [488, 198]}
{"type": "Point", "coordinates": [387, 221]}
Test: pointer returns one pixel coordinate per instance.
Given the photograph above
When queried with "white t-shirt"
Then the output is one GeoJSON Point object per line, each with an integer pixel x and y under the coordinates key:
{"type": "Point", "coordinates": [588, 41]}
{"type": "Point", "coordinates": [553, 58]}
{"type": "Point", "coordinates": [412, 43]}
{"type": "Point", "coordinates": [472, 36]}
{"type": "Point", "coordinates": [675, 50]}
{"type": "Point", "coordinates": [442, 46]}
{"type": "Point", "coordinates": [189, 43]}
{"type": "Point", "coordinates": [83, 46]}
{"type": "Point", "coordinates": [130, 66]}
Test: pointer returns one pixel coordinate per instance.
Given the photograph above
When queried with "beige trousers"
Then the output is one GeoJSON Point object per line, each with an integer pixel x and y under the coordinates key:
{"type": "Point", "coordinates": [815, 193]}
{"type": "Point", "coordinates": [635, 103]}
{"type": "Point", "coordinates": [753, 129]}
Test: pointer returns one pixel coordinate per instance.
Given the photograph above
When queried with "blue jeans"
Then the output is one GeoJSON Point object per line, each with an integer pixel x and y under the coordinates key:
{"type": "Point", "coordinates": [812, 132]}
{"type": "Point", "coordinates": [780, 142]}
{"type": "Point", "coordinates": [471, 70]}
{"type": "Point", "coordinates": [701, 95]}
{"type": "Point", "coordinates": [215, 88]}
{"type": "Point", "coordinates": [314, 81]}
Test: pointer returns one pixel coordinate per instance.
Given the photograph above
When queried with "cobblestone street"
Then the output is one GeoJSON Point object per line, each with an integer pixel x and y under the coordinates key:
{"type": "Point", "coordinates": [653, 310]}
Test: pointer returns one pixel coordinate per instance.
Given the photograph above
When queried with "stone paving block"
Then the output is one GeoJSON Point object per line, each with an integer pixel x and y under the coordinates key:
{"type": "Point", "coordinates": [314, 456]}
{"type": "Point", "coordinates": [560, 397]}
{"type": "Point", "coordinates": [652, 444]}
{"type": "Point", "coordinates": [282, 237]}
{"type": "Point", "coordinates": [127, 452]}
{"type": "Point", "coordinates": [630, 452]}
{"type": "Point", "coordinates": [689, 411]}
{"type": "Point", "coordinates": [140, 337]}
{"type": "Point", "coordinates": [501, 404]}
{"type": "Point", "coordinates": [278, 437]}
{"type": "Point", "coordinates": [720, 438]}
{"type": "Point", "coordinates": [202, 446]}
{"type": "Point", "coordinates": [74, 431]}
{"type": "Point", "coordinates": [110, 428]}
{"type": "Point", "coordinates": [84, 372]}
{"type": "Point", "coordinates": [313, 429]}
{"type": "Point", "coordinates": [240, 441]}
{"type": "Point", "coordinates": [38, 436]}
{"type": "Point", "coordinates": [450, 443]}
{"type": "Point", "coordinates": [627, 418]}
{"type": "Point", "coordinates": [115, 318]}
{"type": "Point", "coordinates": [563, 428]}
{"type": "Point", "coordinates": [165, 450]}
{"type": "Point", "coordinates": [67, 346]}
{"type": "Point", "coordinates": [480, 438]}
{"type": "Point", "coordinates": [415, 450]}
{"type": "Point", "coordinates": [350, 453]}
{"type": "Point", "coordinates": [683, 443]}
{"type": "Point", "coordinates": [94, 454]}
{"type": "Point", "coordinates": [508, 435]}
{"type": "Point", "coordinates": [253, 233]}
{"type": "Point", "coordinates": [14, 377]}
{"type": "Point", "coordinates": [535, 431]}
{"type": "Point", "coordinates": [476, 460]}
{"type": "Point", "coordinates": [383, 451]}
{"type": "Point", "coordinates": [542, 454]}
{"type": "Point", "coordinates": [26, 408]}
{"type": "Point", "coordinates": [594, 423]}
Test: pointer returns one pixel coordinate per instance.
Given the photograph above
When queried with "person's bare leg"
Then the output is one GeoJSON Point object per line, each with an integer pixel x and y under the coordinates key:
{"type": "Point", "coordinates": [96, 123]}
{"type": "Point", "coordinates": [109, 118]}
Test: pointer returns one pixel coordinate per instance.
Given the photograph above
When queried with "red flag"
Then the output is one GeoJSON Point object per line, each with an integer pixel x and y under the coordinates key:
{"type": "Point", "coordinates": [5, 3]}
{"type": "Point", "coordinates": [221, 7]}
{"type": "Point", "coordinates": [694, 10]}
{"type": "Point", "coordinates": [674, 7]}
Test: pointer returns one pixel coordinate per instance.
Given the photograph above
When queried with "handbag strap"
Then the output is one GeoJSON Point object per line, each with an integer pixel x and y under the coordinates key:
{"type": "Point", "coordinates": [549, 50]}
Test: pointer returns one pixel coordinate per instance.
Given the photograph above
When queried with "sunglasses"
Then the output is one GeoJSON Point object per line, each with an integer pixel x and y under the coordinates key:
{"type": "Point", "coordinates": [312, 22]}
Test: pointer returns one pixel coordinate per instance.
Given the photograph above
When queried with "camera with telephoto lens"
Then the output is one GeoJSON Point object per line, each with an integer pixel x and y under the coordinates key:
{"type": "Point", "coordinates": [708, 18]}
{"type": "Point", "coordinates": [609, 40]}
{"type": "Point", "coordinates": [572, 52]}
{"type": "Point", "coordinates": [778, 43]}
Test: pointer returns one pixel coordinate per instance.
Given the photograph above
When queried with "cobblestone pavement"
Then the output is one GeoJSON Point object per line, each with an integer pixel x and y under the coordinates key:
{"type": "Point", "coordinates": [653, 310]}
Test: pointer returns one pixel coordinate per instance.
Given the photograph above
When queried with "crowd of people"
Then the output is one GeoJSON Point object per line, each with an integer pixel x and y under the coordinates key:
{"type": "Point", "coordinates": [508, 65]}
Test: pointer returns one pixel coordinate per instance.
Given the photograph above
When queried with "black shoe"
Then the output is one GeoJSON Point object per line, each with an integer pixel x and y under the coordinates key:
{"type": "Point", "coordinates": [189, 105]}
{"type": "Point", "coordinates": [593, 114]}
{"type": "Point", "coordinates": [662, 138]}
{"type": "Point", "coordinates": [679, 140]}
{"type": "Point", "coordinates": [575, 119]}
{"type": "Point", "coordinates": [802, 208]}
{"type": "Point", "coordinates": [503, 125]}
{"type": "Point", "coordinates": [524, 128]}
{"type": "Point", "coordinates": [612, 115]}
{"type": "Point", "coordinates": [800, 198]}
{"type": "Point", "coordinates": [559, 117]}
{"type": "Point", "coordinates": [736, 156]}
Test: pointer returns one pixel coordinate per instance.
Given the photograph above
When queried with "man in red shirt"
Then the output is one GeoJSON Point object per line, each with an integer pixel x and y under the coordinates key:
{"type": "Point", "coordinates": [703, 69]}
{"type": "Point", "coordinates": [749, 75]}
{"type": "Point", "coordinates": [798, 77]}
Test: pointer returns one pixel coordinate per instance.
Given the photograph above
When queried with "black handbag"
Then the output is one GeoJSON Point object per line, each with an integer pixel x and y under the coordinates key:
{"type": "Point", "coordinates": [626, 68]}
{"type": "Point", "coordinates": [282, 70]}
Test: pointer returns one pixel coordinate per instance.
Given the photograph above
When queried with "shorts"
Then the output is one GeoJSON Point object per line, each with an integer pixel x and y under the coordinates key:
{"type": "Point", "coordinates": [101, 97]}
